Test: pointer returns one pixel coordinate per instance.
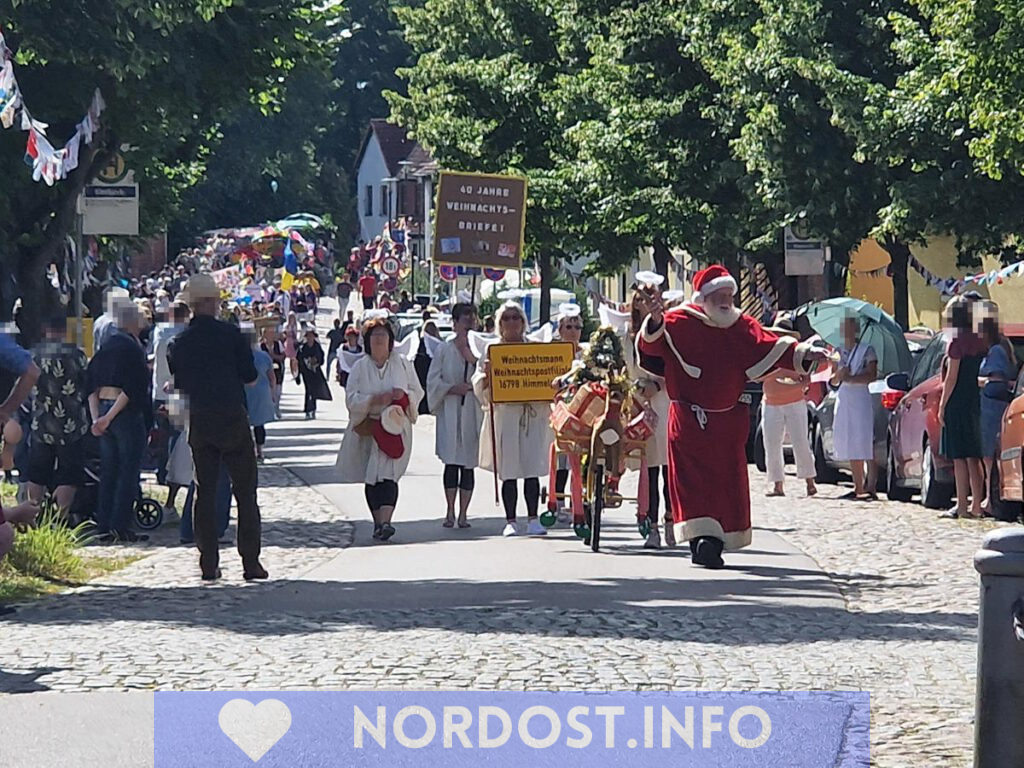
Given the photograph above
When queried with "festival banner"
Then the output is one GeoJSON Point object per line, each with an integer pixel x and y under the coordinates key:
{"type": "Point", "coordinates": [480, 220]}
{"type": "Point", "coordinates": [522, 373]}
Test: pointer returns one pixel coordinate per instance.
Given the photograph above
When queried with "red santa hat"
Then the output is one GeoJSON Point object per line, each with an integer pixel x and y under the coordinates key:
{"type": "Point", "coordinates": [709, 280]}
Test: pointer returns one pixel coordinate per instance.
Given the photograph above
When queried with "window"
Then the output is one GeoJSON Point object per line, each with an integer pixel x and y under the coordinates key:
{"type": "Point", "coordinates": [385, 201]}
{"type": "Point", "coordinates": [929, 362]}
{"type": "Point", "coordinates": [368, 211]}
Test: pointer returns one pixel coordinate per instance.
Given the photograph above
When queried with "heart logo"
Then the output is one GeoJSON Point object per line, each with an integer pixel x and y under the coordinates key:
{"type": "Point", "coordinates": [255, 728]}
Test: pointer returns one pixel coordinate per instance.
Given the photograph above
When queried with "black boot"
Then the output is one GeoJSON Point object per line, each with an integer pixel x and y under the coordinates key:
{"type": "Point", "coordinates": [707, 551]}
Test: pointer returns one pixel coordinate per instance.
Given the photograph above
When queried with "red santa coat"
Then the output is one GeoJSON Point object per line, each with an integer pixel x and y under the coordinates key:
{"type": "Point", "coordinates": [706, 368]}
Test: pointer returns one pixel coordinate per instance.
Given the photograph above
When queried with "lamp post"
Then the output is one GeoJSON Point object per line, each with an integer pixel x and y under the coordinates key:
{"type": "Point", "coordinates": [403, 174]}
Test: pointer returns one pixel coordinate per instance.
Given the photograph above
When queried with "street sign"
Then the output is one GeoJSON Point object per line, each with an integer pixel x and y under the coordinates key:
{"type": "Point", "coordinates": [390, 266]}
{"type": "Point", "coordinates": [804, 255]}
{"type": "Point", "coordinates": [522, 373]}
{"type": "Point", "coordinates": [468, 271]}
{"type": "Point", "coordinates": [494, 274]}
{"type": "Point", "coordinates": [479, 220]}
{"type": "Point", "coordinates": [111, 209]}
{"type": "Point", "coordinates": [115, 171]}
{"type": "Point", "coordinates": [448, 273]}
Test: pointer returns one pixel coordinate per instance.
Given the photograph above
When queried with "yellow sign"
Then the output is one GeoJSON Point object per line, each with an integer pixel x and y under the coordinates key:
{"type": "Point", "coordinates": [115, 171]}
{"type": "Point", "coordinates": [522, 373]}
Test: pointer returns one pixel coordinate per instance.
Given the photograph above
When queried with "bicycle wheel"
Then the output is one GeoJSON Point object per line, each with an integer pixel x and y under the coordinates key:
{"type": "Point", "coordinates": [598, 506]}
{"type": "Point", "coordinates": [149, 515]}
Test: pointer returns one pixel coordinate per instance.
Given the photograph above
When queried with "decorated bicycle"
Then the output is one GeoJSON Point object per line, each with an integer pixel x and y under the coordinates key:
{"type": "Point", "coordinates": [599, 422]}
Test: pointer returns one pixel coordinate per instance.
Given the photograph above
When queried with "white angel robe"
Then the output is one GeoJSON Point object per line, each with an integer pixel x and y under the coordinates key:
{"type": "Point", "coordinates": [522, 431]}
{"type": "Point", "coordinates": [459, 417]}
{"type": "Point", "coordinates": [360, 460]}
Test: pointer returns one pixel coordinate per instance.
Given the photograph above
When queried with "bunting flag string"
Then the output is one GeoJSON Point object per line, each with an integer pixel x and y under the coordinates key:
{"type": "Point", "coordinates": [952, 286]}
{"type": "Point", "coordinates": [48, 164]}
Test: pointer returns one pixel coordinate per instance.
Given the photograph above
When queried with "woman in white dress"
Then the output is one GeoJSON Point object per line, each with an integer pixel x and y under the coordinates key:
{"type": "Point", "coordinates": [650, 371]}
{"type": "Point", "coordinates": [459, 417]}
{"type": "Point", "coordinates": [382, 397]}
{"type": "Point", "coordinates": [853, 432]}
{"type": "Point", "coordinates": [522, 432]}
{"type": "Point", "coordinates": [570, 329]}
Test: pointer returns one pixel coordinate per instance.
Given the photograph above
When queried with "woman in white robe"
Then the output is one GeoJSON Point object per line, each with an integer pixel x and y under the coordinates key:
{"type": "Point", "coordinates": [459, 417]}
{"type": "Point", "coordinates": [522, 432]}
{"type": "Point", "coordinates": [380, 379]}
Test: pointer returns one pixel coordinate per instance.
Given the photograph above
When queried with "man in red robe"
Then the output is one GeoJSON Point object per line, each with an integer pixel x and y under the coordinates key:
{"type": "Point", "coordinates": [711, 349]}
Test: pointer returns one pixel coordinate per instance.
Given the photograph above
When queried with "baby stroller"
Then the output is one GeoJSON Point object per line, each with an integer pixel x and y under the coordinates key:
{"type": "Point", "coordinates": [149, 513]}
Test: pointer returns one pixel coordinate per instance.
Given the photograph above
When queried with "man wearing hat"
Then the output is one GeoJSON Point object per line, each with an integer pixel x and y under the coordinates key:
{"type": "Point", "coordinates": [710, 350]}
{"type": "Point", "coordinates": [211, 364]}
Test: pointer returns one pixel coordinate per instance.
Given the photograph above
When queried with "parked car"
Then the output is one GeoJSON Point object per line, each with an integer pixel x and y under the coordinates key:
{"type": "Point", "coordinates": [913, 461]}
{"type": "Point", "coordinates": [1006, 484]}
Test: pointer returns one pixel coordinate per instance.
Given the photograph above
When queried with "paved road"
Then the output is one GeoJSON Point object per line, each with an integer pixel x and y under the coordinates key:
{"type": "Point", "coordinates": [831, 596]}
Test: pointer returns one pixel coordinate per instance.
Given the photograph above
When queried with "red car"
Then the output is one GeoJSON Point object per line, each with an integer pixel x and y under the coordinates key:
{"type": "Point", "coordinates": [914, 462]}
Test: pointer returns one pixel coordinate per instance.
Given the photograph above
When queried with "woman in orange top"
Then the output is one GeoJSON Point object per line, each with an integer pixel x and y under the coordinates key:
{"type": "Point", "coordinates": [784, 409]}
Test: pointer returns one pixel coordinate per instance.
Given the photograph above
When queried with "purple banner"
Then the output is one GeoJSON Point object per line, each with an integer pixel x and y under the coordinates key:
{"type": "Point", "coordinates": [409, 729]}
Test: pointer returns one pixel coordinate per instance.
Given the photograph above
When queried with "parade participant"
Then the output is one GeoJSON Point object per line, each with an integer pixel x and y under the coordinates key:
{"type": "Point", "coordinates": [336, 337]}
{"type": "Point", "coordinates": [649, 371]}
{"type": "Point", "coordinates": [710, 350]}
{"type": "Point", "coordinates": [311, 361]}
{"type": "Point", "coordinates": [368, 290]}
{"type": "Point", "coordinates": [271, 344]}
{"type": "Point", "coordinates": [382, 396]}
{"type": "Point", "coordinates": [522, 432]}
{"type": "Point", "coordinates": [291, 343]}
{"type": "Point", "coordinates": [122, 413]}
{"type": "Point", "coordinates": [211, 364]}
{"type": "Point", "coordinates": [570, 329]}
{"type": "Point", "coordinates": [349, 354]}
{"type": "Point", "coordinates": [259, 395]}
{"type": "Point", "coordinates": [459, 417]}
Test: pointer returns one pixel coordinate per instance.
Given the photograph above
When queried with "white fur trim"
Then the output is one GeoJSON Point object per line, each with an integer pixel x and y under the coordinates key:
{"type": "Point", "coordinates": [726, 281]}
{"type": "Point", "coordinates": [648, 336]}
{"type": "Point", "coordinates": [799, 355]}
{"type": "Point", "coordinates": [700, 313]}
{"type": "Point", "coordinates": [691, 370]}
{"type": "Point", "coordinates": [769, 361]}
{"type": "Point", "coordinates": [708, 526]}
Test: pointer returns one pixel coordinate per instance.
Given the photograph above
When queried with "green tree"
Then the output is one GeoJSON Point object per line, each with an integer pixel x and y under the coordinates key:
{"type": "Point", "coordinates": [170, 72]}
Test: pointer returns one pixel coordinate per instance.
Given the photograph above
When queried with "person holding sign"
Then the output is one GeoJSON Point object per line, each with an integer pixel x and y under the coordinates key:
{"type": "Point", "coordinates": [710, 350]}
{"type": "Point", "coordinates": [458, 412]}
{"type": "Point", "coordinates": [521, 432]}
{"type": "Point", "coordinates": [570, 328]}
{"type": "Point", "coordinates": [382, 396]}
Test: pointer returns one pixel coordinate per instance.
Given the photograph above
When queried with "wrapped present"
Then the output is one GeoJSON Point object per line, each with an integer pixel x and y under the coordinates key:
{"type": "Point", "coordinates": [567, 425]}
{"type": "Point", "coordinates": [639, 428]}
{"type": "Point", "coordinates": [588, 403]}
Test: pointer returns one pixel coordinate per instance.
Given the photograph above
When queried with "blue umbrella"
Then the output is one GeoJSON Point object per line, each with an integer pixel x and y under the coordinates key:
{"type": "Point", "coordinates": [877, 330]}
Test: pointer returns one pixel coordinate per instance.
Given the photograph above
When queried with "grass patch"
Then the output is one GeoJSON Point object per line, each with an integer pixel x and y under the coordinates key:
{"type": "Point", "coordinates": [46, 558]}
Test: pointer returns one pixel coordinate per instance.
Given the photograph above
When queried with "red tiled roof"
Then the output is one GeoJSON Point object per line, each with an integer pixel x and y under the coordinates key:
{"type": "Point", "coordinates": [396, 146]}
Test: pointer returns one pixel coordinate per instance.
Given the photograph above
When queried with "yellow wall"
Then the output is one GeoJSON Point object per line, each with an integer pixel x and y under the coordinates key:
{"type": "Point", "coordinates": [868, 257]}
{"type": "Point", "coordinates": [926, 303]}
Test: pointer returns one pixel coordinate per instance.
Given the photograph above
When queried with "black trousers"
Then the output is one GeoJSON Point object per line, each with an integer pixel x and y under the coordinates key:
{"type": "Point", "coordinates": [382, 494]}
{"type": "Point", "coordinates": [215, 438]}
{"type": "Point", "coordinates": [458, 476]}
{"type": "Point", "coordinates": [510, 497]}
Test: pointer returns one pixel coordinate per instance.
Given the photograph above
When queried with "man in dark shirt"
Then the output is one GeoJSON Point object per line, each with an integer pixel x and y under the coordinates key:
{"type": "Point", "coordinates": [211, 364]}
{"type": "Point", "coordinates": [122, 413]}
{"type": "Point", "coordinates": [336, 337]}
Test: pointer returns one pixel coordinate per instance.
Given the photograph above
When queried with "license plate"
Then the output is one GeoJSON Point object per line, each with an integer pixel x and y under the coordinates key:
{"type": "Point", "coordinates": [746, 398]}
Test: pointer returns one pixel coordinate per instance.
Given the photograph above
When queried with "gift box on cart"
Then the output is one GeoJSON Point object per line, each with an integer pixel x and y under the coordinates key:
{"type": "Point", "coordinates": [568, 425]}
{"type": "Point", "coordinates": [587, 404]}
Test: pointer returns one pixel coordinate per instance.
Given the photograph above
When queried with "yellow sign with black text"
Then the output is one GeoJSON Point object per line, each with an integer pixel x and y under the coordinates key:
{"type": "Point", "coordinates": [522, 373]}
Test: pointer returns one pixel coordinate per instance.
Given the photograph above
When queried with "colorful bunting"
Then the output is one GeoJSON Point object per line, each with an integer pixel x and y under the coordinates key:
{"type": "Point", "coordinates": [952, 286]}
{"type": "Point", "coordinates": [48, 163]}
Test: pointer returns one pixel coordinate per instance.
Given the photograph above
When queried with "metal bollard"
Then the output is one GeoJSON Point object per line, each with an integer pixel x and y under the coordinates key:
{"type": "Point", "coordinates": [998, 737]}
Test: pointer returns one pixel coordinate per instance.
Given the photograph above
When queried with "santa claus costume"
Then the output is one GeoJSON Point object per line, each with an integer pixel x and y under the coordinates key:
{"type": "Point", "coordinates": [709, 354]}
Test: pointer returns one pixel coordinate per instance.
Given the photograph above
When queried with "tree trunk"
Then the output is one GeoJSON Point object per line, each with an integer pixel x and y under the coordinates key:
{"type": "Point", "coordinates": [899, 253]}
{"type": "Point", "coordinates": [662, 257]}
{"type": "Point", "coordinates": [546, 279]}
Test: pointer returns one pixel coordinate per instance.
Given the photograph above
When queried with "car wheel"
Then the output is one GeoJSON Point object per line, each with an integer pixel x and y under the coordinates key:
{"type": "Point", "coordinates": [1007, 511]}
{"type": "Point", "coordinates": [934, 494]}
{"type": "Point", "coordinates": [824, 472]}
{"type": "Point", "coordinates": [894, 491]}
{"type": "Point", "coordinates": [760, 460]}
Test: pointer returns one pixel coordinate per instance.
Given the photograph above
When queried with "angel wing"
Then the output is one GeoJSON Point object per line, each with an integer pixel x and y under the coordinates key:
{"type": "Point", "coordinates": [433, 344]}
{"type": "Point", "coordinates": [612, 317]}
{"type": "Point", "coordinates": [542, 335]}
{"type": "Point", "coordinates": [348, 359]}
{"type": "Point", "coordinates": [409, 346]}
{"type": "Point", "coordinates": [479, 342]}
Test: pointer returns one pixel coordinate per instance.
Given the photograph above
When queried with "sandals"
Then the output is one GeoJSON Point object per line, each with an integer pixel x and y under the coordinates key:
{"type": "Point", "coordinates": [449, 523]}
{"type": "Point", "coordinates": [464, 524]}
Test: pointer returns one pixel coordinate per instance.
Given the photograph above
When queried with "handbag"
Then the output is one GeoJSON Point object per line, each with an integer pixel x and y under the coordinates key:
{"type": "Point", "coordinates": [364, 428]}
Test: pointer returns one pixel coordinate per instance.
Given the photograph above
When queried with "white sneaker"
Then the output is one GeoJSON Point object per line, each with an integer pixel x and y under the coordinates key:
{"type": "Point", "coordinates": [534, 528]}
{"type": "Point", "coordinates": [653, 539]}
{"type": "Point", "coordinates": [510, 530]}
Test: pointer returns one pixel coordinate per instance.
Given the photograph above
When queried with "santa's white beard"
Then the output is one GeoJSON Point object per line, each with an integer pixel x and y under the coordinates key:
{"type": "Point", "coordinates": [723, 317]}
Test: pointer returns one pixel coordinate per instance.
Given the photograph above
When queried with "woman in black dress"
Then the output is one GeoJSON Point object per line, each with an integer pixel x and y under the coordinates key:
{"type": "Point", "coordinates": [311, 361]}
